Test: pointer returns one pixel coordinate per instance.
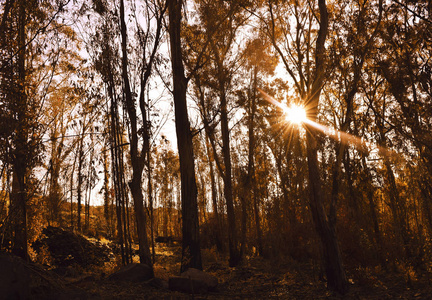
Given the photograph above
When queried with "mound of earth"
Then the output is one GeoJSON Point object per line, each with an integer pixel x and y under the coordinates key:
{"type": "Point", "coordinates": [67, 248]}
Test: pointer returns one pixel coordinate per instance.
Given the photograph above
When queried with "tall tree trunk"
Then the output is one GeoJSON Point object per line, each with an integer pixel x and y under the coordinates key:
{"type": "Point", "coordinates": [150, 197]}
{"type": "Point", "coordinates": [235, 256]}
{"type": "Point", "coordinates": [251, 164]}
{"type": "Point", "coordinates": [398, 209]}
{"type": "Point", "coordinates": [397, 206]}
{"type": "Point", "coordinates": [217, 228]}
{"type": "Point", "coordinates": [19, 215]}
{"type": "Point", "coordinates": [71, 192]}
{"type": "Point", "coordinates": [243, 222]}
{"type": "Point", "coordinates": [20, 167]}
{"type": "Point", "coordinates": [137, 159]}
{"type": "Point", "coordinates": [336, 278]}
{"type": "Point", "coordinates": [80, 180]}
{"type": "Point", "coordinates": [191, 252]}
{"type": "Point", "coordinates": [374, 214]}
{"type": "Point", "coordinates": [119, 181]}
{"type": "Point", "coordinates": [107, 194]}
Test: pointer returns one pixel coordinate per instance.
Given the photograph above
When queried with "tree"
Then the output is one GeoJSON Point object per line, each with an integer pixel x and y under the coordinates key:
{"type": "Point", "coordinates": [191, 252]}
{"type": "Point", "coordinates": [147, 36]}
{"type": "Point", "coordinates": [23, 45]}
{"type": "Point", "coordinates": [220, 24]}
{"type": "Point", "coordinates": [259, 62]}
{"type": "Point", "coordinates": [308, 81]}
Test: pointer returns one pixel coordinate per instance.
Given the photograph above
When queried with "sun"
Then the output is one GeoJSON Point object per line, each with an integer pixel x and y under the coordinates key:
{"type": "Point", "coordinates": [295, 114]}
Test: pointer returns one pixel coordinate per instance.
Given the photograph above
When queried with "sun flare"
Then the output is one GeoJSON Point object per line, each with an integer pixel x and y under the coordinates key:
{"type": "Point", "coordinates": [295, 114]}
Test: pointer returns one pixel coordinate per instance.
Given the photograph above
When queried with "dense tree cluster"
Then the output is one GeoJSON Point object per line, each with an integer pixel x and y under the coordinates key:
{"type": "Point", "coordinates": [83, 93]}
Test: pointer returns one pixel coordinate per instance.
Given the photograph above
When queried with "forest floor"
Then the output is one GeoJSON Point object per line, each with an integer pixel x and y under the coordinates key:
{"type": "Point", "coordinates": [256, 278]}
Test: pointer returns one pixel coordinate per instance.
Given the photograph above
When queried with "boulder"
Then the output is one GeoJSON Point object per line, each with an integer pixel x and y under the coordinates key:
{"type": "Point", "coordinates": [133, 273]}
{"type": "Point", "coordinates": [158, 283]}
{"type": "Point", "coordinates": [187, 285]}
{"type": "Point", "coordinates": [201, 276]}
{"type": "Point", "coordinates": [14, 278]}
{"type": "Point", "coordinates": [193, 281]}
{"type": "Point", "coordinates": [22, 280]}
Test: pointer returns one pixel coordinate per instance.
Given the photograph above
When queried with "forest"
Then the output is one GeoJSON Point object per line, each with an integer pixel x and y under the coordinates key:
{"type": "Point", "coordinates": [228, 148]}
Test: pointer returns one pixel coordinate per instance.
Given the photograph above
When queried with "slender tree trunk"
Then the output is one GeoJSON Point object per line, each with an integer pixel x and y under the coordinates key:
{"type": "Point", "coordinates": [71, 192]}
{"type": "Point", "coordinates": [202, 203]}
{"type": "Point", "coordinates": [19, 215]}
{"type": "Point", "coordinates": [217, 227]}
{"type": "Point", "coordinates": [191, 252]}
{"type": "Point", "coordinates": [80, 180]}
{"type": "Point", "coordinates": [150, 197]}
{"type": "Point", "coordinates": [235, 256]}
{"type": "Point", "coordinates": [137, 159]}
{"type": "Point", "coordinates": [398, 210]}
{"type": "Point", "coordinates": [243, 222]}
{"type": "Point", "coordinates": [374, 214]}
{"type": "Point", "coordinates": [126, 214]}
{"type": "Point", "coordinates": [107, 196]}
{"type": "Point", "coordinates": [426, 196]}
{"type": "Point", "coordinates": [89, 185]}
{"type": "Point", "coordinates": [251, 184]}
{"type": "Point", "coordinates": [336, 278]}
{"type": "Point", "coordinates": [20, 168]}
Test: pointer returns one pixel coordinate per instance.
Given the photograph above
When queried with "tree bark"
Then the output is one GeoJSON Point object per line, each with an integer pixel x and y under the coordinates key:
{"type": "Point", "coordinates": [235, 256]}
{"type": "Point", "coordinates": [80, 180]}
{"type": "Point", "coordinates": [251, 163]}
{"type": "Point", "coordinates": [336, 278]}
{"type": "Point", "coordinates": [191, 252]}
{"type": "Point", "coordinates": [137, 159]}
{"type": "Point", "coordinates": [151, 201]}
{"type": "Point", "coordinates": [20, 167]}
{"type": "Point", "coordinates": [217, 228]}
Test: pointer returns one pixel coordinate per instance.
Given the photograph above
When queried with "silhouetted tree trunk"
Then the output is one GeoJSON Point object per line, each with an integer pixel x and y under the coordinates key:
{"type": "Point", "coordinates": [232, 230]}
{"type": "Point", "coordinates": [336, 278]}
{"type": "Point", "coordinates": [150, 197]}
{"type": "Point", "coordinates": [19, 164]}
{"type": "Point", "coordinates": [251, 184]}
{"type": "Point", "coordinates": [191, 253]}
{"type": "Point", "coordinates": [118, 178]}
{"type": "Point", "coordinates": [80, 178]}
{"type": "Point", "coordinates": [106, 193]}
{"type": "Point", "coordinates": [71, 191]}
{"type": "Point", "coordinates": [88, 190]}
{"type": "Point", "coordinates": [217, 229]}
{"type": "Point", "coordinates": [374, 213]}
{"type": "Point", "coordinates": [137, 159]}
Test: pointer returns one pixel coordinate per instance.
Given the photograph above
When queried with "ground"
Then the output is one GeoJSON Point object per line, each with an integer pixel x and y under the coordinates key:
{"type": "Point", "coordinates": [256, 278]}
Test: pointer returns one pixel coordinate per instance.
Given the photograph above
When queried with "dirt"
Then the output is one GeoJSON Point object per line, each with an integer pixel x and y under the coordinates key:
{"type": "Point", "coordinates": [257, 278]}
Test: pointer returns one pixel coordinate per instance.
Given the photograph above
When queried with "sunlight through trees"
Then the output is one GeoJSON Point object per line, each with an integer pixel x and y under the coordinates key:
{"type": "Point", "coordinates": [302, 131]}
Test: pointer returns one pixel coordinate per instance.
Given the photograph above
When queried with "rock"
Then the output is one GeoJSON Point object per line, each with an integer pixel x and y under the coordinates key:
{"type": "Point", "coordinates": [187, 285]}
{"type": "Point", "coordinates": [158, 283]}
{"type": "Point", "coordinates": [22, 280]}
{"type": "Point", "coordinates": [14, 278]}
{"type": "Point", "coordinates": [201, 276]}
{"type": "Point", "coordinates": [133, 273]}
{"type": "Point", "coordinates": [66, 271]}
{"type": "Point", "coordinates": [193, 281]}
